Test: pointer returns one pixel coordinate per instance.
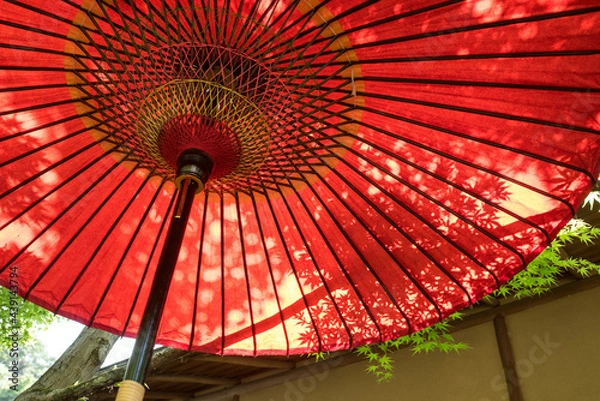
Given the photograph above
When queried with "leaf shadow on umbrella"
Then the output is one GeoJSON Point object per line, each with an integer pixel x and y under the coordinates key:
{"type": "Point", "coordinates": [390, 228]}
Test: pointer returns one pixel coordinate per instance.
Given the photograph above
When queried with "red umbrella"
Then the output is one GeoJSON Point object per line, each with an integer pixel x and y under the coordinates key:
{"type": "Point", "coordinates": [367, 167]}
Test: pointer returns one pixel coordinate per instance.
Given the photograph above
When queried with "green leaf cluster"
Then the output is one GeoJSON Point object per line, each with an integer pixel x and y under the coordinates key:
{"type": "Point", "coordinates": [433, 338]}
{"type": "Point", "coordinates": [543, 272]}
{"type": "Point", "coordinates": [539, 277]}
{"type": "Point", "coordinates": [21, 316]}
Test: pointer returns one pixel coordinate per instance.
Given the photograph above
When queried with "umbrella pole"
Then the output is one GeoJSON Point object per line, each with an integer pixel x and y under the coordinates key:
{"type": "Point", "coordinates": [194, 168]}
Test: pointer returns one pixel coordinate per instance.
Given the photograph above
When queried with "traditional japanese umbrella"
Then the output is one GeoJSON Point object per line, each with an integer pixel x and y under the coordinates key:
{"type": "Point", "coordinates": [347, 171]}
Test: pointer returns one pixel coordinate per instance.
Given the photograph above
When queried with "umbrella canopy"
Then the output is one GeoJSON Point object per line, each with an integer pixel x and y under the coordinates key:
{"type": "Point", "coordinates": [378, 165]}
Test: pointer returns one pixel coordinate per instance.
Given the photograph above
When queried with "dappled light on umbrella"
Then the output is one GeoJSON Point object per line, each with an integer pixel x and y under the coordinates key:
{"type": "Point", "coordinates": [364, 169]}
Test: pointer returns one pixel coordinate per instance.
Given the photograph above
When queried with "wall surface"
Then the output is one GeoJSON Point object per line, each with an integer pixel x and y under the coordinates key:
{"type": "Point", "coordinates": [556, 350]}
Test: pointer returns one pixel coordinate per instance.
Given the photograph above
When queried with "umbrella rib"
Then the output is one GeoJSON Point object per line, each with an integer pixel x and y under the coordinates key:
{"type": "Point", "coordinates": [129, 245]}
{"type": "Point", "coordinates": [479, 84]}
{"type": "Point", "coordinates": [421, 288]}
{"type": "Point", "coordinates": [99, 70]}
{"type": "Point", "coordinates": [49, 86]}
{"type": "Point", "coordinates": [37, 50]}
{"type": "Point", "coordinates": [470, 28]}
{"type": "Point", "coordinates": [398, 17]}
{"type": "Point", "coordinates": [293, 267]}
{"type": "Point", "coordinates": [199, 28]}
{"type": "Point", "coordinates": [147, 268]}
{"type": "Point", "coordinates": [198, 272]}
{"type": "Point", "coordinates": [245, 265]}
{"type": "Point", "coordinates": [296, 24]}
{"type": "Point", "coordinates": [446, 182]}
{"type": "Point", "coordinates": [318, 271]}
{"type": "Point", "coordinates": [45, 126]}
{"type": "Point", "coordinates": [118, 59]}
{"type": "Point", "coordinates": [458, 134]}
{"type": "Point", "coordinates": [59, 216]}
{"type": "Point", "coordinates": [445, 155]}
{"type": "Point", "coordinates": [382, 246]}
{"type": "Point", "coordinates": [482, 112]}
{"type": "Point", "coordinates": [153, 10]}
{"type": "Point", "coordinates": [309, 63]}
{"type": "Point", "coordinates": [484, 141]}
{"type": "Point", "coordinates": [135, 20]}
{"type": "Point", "coordinates": [438, 203]}
{"type": "Point", "coordinates": [288, 45]}
{"type": "Point", "coordinates": [49, 33]}
{"type": "Point", "coordinates": [46, 170]}
{"type": "Point", "coordinates": [270, 268]}
{"type": "Point", "coordinates": [40, 106]}
{"type": "Point", "coordinates": [360, 7]}
{"type": "Point", "coordinates": [546, 194]}
{"type": "Point", "coordinates": [189, 35]}
{"type": "Point", "coordinates": [104, 239]}
{"type": "Point", "coordinates": [50, 144]}
{"type": "Point", "coordinates": [316, 140]}
{"type": "Point", "coordinates": [479, 56]}
{"type": "Point", "coordinates": [469, 164]}
{"type": "Point", "coordinates": [167, 24]}
{"type": "Point", "coordinates": [420, 218]}
{"type": "Point", "coordinates": [21, 68]}
{"type": "Point", "coordinates": [338, 260]}
{"type": "Point", "coordinates": [245, 31]}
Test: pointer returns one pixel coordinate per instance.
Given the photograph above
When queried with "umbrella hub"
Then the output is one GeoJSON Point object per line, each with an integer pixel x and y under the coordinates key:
{"type": "Point", "coordinates": [196, 131]}
{"type": "Point", "coordinates": [199, 114]}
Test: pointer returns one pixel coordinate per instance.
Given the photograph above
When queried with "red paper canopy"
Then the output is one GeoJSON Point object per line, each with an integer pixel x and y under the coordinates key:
{"type": "Point", "coordinates": [378, 165]}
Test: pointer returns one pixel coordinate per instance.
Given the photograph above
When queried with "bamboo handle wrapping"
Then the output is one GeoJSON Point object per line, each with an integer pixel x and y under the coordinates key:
{"type": "Point", "coordinates": [130, 391]}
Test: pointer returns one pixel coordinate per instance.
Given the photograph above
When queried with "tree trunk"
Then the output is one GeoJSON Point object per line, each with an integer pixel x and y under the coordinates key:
{"type": "Point", "coordinates": [79, 363]}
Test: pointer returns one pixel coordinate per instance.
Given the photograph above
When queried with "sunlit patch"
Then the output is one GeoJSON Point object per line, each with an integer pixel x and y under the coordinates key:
{"type": "Point", "coordinates": [178, 275]}
{"type": "Point", "coordinates": [277, 274]}
{"type": "Point", "coordinates": [174, 322]}
{"type": "Point", "coordinates": [589, 22]}
{"type": "Point", "coordinates": [126, 229]}
{"type": "Point", "coordinates": [486, 10]}
{"type": "Point", "coordinates": [301, 255]}
{"type": "Point", "coordinates": [211, 275]}
{"type": "Point", "coordinates": [184, 303]}
{"type": "Point", "coordinates": [254, 259]}
{"type": "Point", "coordinates": [20, 234]}
{"type": "Point", "coordinates": [256, 293]}
{"type": "Point", "coordinates": [141, 257]}
{"type": "Point", "coordinates": [214, 231]}
{"type": "Point", "coordinates": [482, 7]}
{"type": "Point", "coordinates": [252, 239]}
{"type": "Point", "coordinates": [528, 31]}
{"type": "Point", "coordinates": [555, 5]}
{"type": "Point", "coordinates": [394, 166]}
{"type": "Point", "coordinates": [237, 273]}
{"type": "Point", "coordinates": [235, 317]}
{"type": "Point", "coordinates": [206, 296]}
{"type": "Point", "coordinates": [155, 216]}
{"type": "Point", "coordinates": [595, 123]}
{"type": "Point", "coordinates": [270, 242]}
{"type": "Point", "coordinates": [183, 253]}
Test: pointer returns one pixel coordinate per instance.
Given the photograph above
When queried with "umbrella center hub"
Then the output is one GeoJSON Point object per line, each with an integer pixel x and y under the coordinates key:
{"type": "Point", "coordinates": [194, 131]}
{"type": "Point", "coordinates": [206, 115]}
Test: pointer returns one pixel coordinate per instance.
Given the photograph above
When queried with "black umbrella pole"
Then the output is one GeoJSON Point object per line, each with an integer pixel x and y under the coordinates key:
{"type": "Point", "coordinates": [132, 386]}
